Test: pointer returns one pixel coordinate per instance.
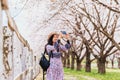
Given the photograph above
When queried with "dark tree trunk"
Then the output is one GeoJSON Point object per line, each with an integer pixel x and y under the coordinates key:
{"type": "Point", "coordinates": [101, 65]}
{"type": "Point", "coordinates": [64, 60]}
{"type": "Point", "coordinates": [106, 64]}
{"type": "Point", "coordinates": [119, 63]}
{"type": "Point", "coordinates": [78, 64]}
{"type": "Point", "coordinates": [68, 63]}
{"type": "Point", "coordinates": [88, 61]}
{"type": "Point", "coordinates": [72, 59]}
{"type": "Point", "coordinates": [112, 62]}
{"type": "Point", "coordinates": [68, 59]}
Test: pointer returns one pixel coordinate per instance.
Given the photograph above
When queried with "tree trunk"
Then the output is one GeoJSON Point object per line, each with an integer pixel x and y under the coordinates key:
{"type": "Point", "coordinates": [2, 77]}
{"type": "Point", "coordinates": [64, 60]}
{"type": "Point", "coordinates": [106, 63]}
{"type": "Point", "coordinates": [73, 59]}
{"type": "Point", "coordinates": [119, 63]}
{"type": "Point", "coordinates": [78, 64]}
{"type": "Point", "coordinates": [112, 62]}
{"type": "Point", "coordinates": [101, 65]}
{"type": "Point", "coordinates": [88, 62]}
{"type": "Point", "coordinates": [68, 59]}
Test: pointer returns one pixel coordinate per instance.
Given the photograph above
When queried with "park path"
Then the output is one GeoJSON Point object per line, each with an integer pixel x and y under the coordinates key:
{"type": "Point", "coordinates": [69, 77]}
{"type": "Point", "coordinates": [88, 78]}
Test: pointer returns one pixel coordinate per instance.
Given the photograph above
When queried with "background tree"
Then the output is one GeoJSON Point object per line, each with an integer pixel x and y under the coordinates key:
{"type": "Point", "coordinates": [112, 58]}
{"type": "Point", "coordinates": [118, 58]}
{"type": "Point", "coordinates": [94, 21]}
{"type": "Point", "coordinates": [104, 46]}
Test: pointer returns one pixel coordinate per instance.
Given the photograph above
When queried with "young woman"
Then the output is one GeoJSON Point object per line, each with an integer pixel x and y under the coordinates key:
{"type": "Point", "coordinates": [55, 70]}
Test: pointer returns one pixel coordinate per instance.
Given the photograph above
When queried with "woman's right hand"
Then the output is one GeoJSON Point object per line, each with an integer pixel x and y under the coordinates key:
{"type": "Point", "coordinates": [67, 36]}
{"type": "Point", "coordinates": [60, 36]}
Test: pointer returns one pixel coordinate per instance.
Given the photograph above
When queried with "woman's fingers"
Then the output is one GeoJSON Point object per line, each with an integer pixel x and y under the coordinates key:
{"type": "Point", "coordinates": [60, 36]}
{"type": "Point", "coordinates": [67, 36]}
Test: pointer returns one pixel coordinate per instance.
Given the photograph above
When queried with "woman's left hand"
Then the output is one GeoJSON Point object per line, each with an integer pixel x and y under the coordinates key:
{"type": "Point", "coordinates": [67, 36]}
{"type": "Point", "coordinates": [60, 36]}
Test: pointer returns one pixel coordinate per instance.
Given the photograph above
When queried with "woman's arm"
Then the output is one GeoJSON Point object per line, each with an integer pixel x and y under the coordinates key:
{"type": "Point", "coordinates": [50, 48]}
{"type": "Point", "coordinates": [66, 46]}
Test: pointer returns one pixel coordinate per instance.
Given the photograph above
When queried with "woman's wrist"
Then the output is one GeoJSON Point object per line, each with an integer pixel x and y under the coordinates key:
{"type": "Point", "coordinates": [68, 41]}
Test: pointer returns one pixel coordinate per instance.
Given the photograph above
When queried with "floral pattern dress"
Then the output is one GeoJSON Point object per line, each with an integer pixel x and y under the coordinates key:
{"type": "Point", "coordinates": [55, 71]}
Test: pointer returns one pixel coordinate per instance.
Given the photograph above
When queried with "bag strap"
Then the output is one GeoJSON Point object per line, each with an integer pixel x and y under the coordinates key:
{"type": "Point", "coordinates": [45, 49]}
{"type": "Point", "coordinates": [51, 53]}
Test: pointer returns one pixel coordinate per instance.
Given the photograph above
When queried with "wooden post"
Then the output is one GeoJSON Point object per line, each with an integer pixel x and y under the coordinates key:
{"type": "Point", "coordinates": [1, 28]}
{"type": "Point", "coordinates": [1, 34]}
{"type": "Point", "coordinates": [1, 44]}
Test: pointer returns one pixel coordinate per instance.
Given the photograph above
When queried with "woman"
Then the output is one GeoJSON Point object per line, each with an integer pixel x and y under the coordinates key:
{"type": "Point", "coordinates": [55, 71]}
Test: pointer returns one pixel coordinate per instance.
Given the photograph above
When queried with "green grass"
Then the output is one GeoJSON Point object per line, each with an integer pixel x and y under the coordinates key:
{"type": "Point", "coordinates": [111, 74]}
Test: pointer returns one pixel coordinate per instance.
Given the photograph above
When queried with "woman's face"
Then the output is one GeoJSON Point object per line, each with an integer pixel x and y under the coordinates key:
{"type": "Point", "coordinates": [55, 38]}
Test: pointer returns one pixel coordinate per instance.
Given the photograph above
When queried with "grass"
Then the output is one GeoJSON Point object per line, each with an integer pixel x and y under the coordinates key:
{"type": "Point", "coordinates": [111, 74]}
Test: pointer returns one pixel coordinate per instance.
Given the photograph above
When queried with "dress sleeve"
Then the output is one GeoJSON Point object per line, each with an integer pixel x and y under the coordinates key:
{"type": "Point", "coordinates": [57, 46]}
{"type": "Point", "coordinates": [50, 48]}
{"type": "Point", "coordinates": [66, 46]}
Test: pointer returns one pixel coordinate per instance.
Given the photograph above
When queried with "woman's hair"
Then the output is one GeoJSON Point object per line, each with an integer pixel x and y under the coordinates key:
{"type": "Point", "coordinates": [50, 39]}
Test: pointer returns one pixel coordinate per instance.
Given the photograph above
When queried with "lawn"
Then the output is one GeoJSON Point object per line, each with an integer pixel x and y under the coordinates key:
{"type": "Point", "coordinates": [111, 74]}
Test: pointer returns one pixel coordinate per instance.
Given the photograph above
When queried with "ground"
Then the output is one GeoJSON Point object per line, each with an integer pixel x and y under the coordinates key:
{"type": "Point", "coordinates": [111, 74]}
{"type": "Point", "coordinates": [69, 77]}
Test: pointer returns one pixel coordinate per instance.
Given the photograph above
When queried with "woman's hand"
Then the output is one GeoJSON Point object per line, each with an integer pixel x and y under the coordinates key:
{"type": "Point", "coordinates": [67, 36]}
{"type": "Point", "coordinates": [60, 36]}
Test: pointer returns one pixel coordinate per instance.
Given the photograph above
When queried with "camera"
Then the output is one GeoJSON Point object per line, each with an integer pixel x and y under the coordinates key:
{"type": "Point", "coordinates": [63, 32]}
